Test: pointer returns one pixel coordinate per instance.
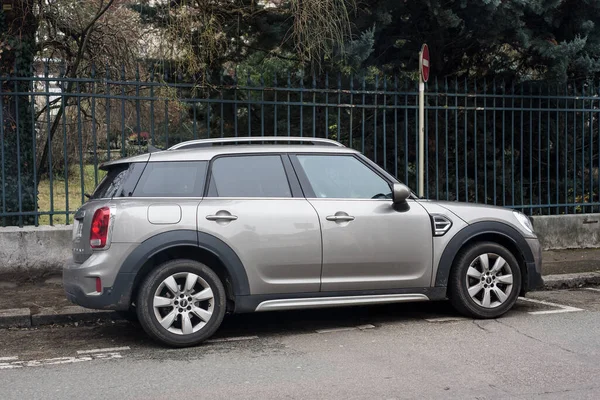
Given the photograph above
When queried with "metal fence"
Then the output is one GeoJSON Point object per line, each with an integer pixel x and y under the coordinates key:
{"type": "Point", "coordinates": [532, 147]}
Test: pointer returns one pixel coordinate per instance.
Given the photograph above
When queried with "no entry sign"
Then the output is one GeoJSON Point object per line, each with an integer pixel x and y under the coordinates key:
{"type": "Point", "coordinates": [424, 62]}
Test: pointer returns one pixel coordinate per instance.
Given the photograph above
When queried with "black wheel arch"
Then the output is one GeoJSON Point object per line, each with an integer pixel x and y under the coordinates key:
{"type": "Point", "coordinates": [491, 231]}
{"type": "Point", "coordinates": [190, 244]}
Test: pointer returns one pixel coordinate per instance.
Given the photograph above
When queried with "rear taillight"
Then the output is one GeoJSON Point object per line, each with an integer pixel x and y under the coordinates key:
{"type": "Point", "coordinates": [99, 230]}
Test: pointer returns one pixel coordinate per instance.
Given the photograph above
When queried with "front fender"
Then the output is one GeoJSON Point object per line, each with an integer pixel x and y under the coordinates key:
{"type": "Point", "coordinates": [471, 232]}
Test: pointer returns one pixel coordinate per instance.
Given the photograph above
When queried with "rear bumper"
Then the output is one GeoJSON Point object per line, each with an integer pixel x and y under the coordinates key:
{"type": "Point", "coordinates": [79, 283]}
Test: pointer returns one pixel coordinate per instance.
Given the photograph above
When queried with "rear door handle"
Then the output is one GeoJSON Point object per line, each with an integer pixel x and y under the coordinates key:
{"type": "Point", "coordinates": [222, 217]}
{"type": "Point", "coordinates": [340, 218]}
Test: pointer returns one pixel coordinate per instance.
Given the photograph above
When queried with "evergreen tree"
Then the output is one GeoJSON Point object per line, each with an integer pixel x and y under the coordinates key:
{"type": "Point", "coordinates": [17, 49]}
{"type": "Point", "coordinates": [534, 39]}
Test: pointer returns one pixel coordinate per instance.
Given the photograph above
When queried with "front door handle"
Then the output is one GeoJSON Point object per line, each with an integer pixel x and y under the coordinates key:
{"type": "Point", "coordinates": [222, 216]}
{"type": "Point", "coordinates": [340, 218]}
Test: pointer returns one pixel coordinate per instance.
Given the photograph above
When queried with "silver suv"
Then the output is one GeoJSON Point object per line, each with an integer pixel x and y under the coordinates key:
{"type": "Point", "coordinates": [181, 237]}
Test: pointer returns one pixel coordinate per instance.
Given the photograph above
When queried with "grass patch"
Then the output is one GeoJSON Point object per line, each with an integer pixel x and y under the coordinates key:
{"type": "Point", "coordinates": [59, 193]}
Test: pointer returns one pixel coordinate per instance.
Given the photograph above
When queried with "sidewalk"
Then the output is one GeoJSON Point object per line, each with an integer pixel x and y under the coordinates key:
{"type": "Point", "coordinates": [26, 304]}
{"type": "Point", "coordinates": [570, 261]}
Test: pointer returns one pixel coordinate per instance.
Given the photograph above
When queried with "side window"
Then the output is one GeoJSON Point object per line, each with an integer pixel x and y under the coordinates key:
{"type": "Point", "coordinates": [249, 176]}
{"type": "Point", "coordinates": [343, 177]}
{"type": "Point", "coordinates": [172, 179]}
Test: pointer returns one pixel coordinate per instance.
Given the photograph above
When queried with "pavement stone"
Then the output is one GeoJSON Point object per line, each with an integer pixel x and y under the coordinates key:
{"type": "Point", "coordinates": [15, 318]}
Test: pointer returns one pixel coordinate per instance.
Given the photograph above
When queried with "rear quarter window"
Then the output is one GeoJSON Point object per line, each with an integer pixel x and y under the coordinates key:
{"type": "Point", "coordinates": [172, 179]}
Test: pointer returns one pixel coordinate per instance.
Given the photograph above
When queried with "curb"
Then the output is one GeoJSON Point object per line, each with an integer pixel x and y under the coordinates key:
{"type": "Point", "coordinates": [15, 317]}
{"type": "Point", "coordinates": [65, 315]}
{"type": "Point", "coordinates": [570, 281]}
{"type": "Point", "coordinates": [23, 318]}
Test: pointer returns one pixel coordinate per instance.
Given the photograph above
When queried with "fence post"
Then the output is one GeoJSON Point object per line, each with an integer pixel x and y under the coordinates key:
{"type": "Point", "coordinates": [421, 135]}
{"type": "Point", "coordinates": [423, 77]}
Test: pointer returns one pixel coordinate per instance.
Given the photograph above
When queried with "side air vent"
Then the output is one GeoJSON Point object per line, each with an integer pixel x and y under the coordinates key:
{"type": "Point", "coordinates": [441, 225]}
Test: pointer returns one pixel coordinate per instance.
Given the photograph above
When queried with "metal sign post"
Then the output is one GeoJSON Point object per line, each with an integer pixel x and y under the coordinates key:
{"type": "Point", "coordinates": [423, 77]}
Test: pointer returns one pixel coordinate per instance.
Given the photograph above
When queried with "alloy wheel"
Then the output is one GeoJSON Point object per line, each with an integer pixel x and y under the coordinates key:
{"type": "Point", "coordinates": [489, 287]}
{"type": "Point", "coordinates": [183, 303]}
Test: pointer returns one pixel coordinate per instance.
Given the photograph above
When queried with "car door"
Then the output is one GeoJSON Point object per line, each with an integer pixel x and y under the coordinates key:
{"type": "Point", "coordinates": [368, 243]}
{"type": "Point", "coordinates": [253, 207]}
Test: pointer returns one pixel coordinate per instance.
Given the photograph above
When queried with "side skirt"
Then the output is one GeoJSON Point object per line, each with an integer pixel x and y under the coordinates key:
{"type": "Point", "coordinates": [297, 301]}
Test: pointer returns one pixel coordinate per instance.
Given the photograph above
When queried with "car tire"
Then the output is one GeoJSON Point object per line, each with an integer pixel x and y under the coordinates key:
{"type": "Point", "coordinates": [485, 281]}
{"type": "Point", "coordinates": [181, 303]}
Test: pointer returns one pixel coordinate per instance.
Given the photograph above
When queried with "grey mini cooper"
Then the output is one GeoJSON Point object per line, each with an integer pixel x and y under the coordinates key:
{"type": "Point", "coordinates": [178, 238]}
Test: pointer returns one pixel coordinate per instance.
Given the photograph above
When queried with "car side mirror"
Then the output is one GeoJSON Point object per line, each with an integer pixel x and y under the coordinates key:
{"type": "Point", "coordinates": [400, 193]}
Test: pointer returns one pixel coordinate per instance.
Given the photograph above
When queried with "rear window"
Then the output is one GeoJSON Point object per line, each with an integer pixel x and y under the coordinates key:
{"type": "Point", "coordinates": [120, 181]}
{"type": "Point", "coordinates": [172, 179]}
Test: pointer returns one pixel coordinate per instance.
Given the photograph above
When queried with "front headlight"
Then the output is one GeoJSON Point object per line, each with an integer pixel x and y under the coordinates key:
{"type": "Point", "coordinates": [524, 221]}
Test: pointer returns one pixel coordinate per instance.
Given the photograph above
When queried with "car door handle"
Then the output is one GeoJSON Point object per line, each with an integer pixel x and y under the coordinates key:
{"type": "Point", "coordinates": [224, 217]}
{"type": "Point", "coordinates": [340, 218]}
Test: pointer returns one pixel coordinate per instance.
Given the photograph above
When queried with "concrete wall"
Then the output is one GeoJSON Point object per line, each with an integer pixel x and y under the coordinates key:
{"type": "Point", "coordinates": [557, 232]}
{"type": "Point", "coordinates": [34, 250]}
{"type": "Point", "coordinates": [30, 251]}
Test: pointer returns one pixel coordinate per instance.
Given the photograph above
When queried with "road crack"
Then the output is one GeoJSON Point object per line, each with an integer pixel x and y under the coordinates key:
{"type": "Point", "coordinates": [476, 323]}
{"type": "Point", "coordinates": [514, 328]}
{"type": "Point", "coordinates": [500, 389]}
{"type": "Point", "coordinates": [591, 388]}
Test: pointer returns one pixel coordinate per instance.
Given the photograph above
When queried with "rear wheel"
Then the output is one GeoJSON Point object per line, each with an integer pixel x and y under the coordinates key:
{"type": "Point", "coordinates": [181, 303]}
{"type": "Point", "coordinates": [485, 281]}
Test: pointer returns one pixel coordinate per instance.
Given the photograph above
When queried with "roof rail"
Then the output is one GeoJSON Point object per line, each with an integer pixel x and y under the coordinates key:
{"type": "Point", "coordinates": [190, 144]}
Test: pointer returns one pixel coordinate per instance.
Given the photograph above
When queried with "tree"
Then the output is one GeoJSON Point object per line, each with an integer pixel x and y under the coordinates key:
{"type": "Point", "coordinates": [535, 39]}
{"type": "Point", "coordinates": [98, 35]}
{"type": "Point", "coordinates": [205, 34]}
{"type": "Point", "coordinates": [18, 27]}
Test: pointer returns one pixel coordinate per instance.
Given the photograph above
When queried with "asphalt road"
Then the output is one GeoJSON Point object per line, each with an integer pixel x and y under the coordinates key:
{"type": "Point", "coordinates": [537, 351]}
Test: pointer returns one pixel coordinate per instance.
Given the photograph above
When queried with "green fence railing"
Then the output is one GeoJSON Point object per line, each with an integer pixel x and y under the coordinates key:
{"type": "Point", "coordinates": [533, 147]}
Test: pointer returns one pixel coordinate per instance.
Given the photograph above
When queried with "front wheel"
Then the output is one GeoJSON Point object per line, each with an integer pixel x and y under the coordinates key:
{"type": "Point", "coordinates": [485, 281]}
{"type": "Point", "coordinates": [181, 303]}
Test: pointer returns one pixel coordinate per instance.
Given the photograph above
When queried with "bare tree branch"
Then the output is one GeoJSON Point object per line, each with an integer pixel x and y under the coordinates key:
{"type": "Point", "coordinates": [49, 105]}
{"type": "Point", "coordinates": [72, 72]}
